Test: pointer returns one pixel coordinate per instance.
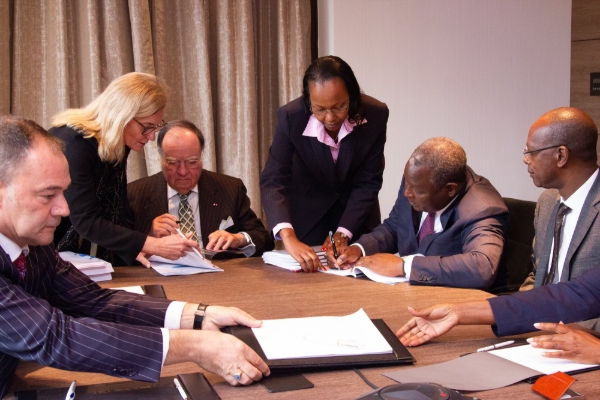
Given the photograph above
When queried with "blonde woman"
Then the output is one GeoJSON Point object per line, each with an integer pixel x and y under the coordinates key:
{"type": "Point", "coordinates": [98, 140]}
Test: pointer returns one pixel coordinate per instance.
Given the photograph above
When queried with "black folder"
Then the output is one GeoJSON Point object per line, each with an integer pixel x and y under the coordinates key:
{"type": "Point", "coordinates": [399, 356]}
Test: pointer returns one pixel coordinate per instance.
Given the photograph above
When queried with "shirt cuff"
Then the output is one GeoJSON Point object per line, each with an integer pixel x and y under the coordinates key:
{"type": "Point", "coordinates": [166, 338]}
{"type": "Point", "coordinates": [344, 231]}
{"type": "Point", "coordinates": [279, 227]}
{"type": "Point", "coordinates": [408, 263]}
{"type": "Point", "coordinates": [250, 248]}
{"type": "Point", "coordinates": [361, 248]}
{"type": "Point", "coordinates": [173, 315]}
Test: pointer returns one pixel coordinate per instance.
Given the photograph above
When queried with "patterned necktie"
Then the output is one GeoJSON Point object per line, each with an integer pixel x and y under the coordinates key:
{"type": "Point", "coordinates": [186, 217]}
{"type": "Point", "coordinates": [428, 226]}
{"type": "Point", "coordinates": [21, 265]}
{"type": "Point", "coordinates": [558, 223]}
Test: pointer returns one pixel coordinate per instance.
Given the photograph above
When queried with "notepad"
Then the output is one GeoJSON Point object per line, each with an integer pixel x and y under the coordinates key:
{"type": "Point", "coordinates": [95, 268]}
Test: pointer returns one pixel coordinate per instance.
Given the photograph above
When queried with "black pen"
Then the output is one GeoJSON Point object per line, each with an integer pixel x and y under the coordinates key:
{"type": "Point", "coordinates": [335, 253]}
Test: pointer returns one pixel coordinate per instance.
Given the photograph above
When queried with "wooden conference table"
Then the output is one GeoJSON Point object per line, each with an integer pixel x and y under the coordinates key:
{"type": "Point", "coordinates": [269, 292]}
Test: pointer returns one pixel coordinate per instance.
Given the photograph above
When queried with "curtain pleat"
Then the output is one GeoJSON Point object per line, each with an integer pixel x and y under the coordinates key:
{"type": "Point", "coordinates": [229, 63]}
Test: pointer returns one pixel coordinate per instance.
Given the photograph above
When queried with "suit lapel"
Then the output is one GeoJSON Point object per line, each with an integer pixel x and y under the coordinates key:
{"type": "Point", "coordinates": [588, 214]}
{"type": "Point", "coordinates": [346, 153]}
{"type": "Point", "coordinates": [209, 205]}
{"type": "Point", "coordinates": [324, 160]}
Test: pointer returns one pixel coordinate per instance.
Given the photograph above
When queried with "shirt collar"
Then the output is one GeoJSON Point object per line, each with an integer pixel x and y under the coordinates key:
{"type": "Point", "coordinates": [172, 192]}
{"type": "Point", "coordinates": [314, 128]}
{"type": "Point", "coordinates": [11, 248]}
{"type": "Point", "coordinates": [576, 200]}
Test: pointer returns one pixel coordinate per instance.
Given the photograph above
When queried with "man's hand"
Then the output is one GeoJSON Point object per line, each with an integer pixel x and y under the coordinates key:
{"type": "Point", "coordinates": [218, 353]}
{"type": "Point", "coordinates": [171, 247]}
{"type": "Point", "coordinates": [427, 324]}
{"type": "Point", "coordinates": [217, 317]}
{"type": "Point", "coordinates": [347, 256]}
{"type": "Point", "coordinates": [574, 345]}
{"type": "Point", "coordinates": [164, 225]}
{"type": "Point", "coordinates": [383, 263]}
{"type": "Point", "coordinates": [305, 255]}
{"type": "Point", "coordinates": [223, 240]}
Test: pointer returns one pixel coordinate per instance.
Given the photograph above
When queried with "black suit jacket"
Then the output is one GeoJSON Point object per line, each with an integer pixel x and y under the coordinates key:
{"type": "Point", "coordinates": [220, 196]}
{"type": "Point", "coordinates": [465, 254]}
{"type": "Point", "coordinates": [58, 317]}
{"type": "Point", "coordinates": [303, 186]}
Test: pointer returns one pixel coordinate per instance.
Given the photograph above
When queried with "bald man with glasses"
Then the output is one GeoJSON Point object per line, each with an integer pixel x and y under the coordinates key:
{"type": "Point", "coordinates": [560, 155]}
{"type": "Point", "coordinates": [209, 207]}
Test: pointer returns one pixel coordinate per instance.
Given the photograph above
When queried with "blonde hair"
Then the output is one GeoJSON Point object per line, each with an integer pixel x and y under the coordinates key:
{"type": "Point", "coordinates": [132, 95]}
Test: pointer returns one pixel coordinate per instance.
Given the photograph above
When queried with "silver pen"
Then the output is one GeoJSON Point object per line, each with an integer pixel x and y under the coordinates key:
{"type": "Point", "coordinates": [495, 346]}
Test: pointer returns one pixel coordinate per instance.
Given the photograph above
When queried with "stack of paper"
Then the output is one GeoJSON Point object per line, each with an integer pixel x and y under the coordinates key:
{"type": "Point", "coordinates": [191, 263]}
{"type": "Point", "coordinates": [283, 259]}
{"type": "Point", "coordinates": [372, 275]}
{"type": "Point", "coordinates": [98, 270]}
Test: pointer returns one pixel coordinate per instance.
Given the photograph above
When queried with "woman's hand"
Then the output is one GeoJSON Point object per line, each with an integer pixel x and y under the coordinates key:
{"type": "Point", "coordinates": [305, 255]}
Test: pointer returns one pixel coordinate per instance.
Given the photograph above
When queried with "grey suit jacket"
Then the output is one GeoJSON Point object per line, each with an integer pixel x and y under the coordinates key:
{"type": "Point", "coordinates": [584, 250]}
{"type": "Point", "coordinates": [465, 254]}
{"type": "Point", "coordinates": [220, 196]}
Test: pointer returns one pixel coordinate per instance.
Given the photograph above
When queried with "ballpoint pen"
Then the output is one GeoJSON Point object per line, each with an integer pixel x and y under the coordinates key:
{"type": "Point", "coordinates": [335, 253]}
{"type": "Point", "coordinates": [181, 390]}
{"type": "Point", "coordinates": [495, 346]}
{"type": "Point", "coordinates": [71, 392]}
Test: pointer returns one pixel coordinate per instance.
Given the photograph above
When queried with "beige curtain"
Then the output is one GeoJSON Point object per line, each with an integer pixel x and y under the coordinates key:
{"type": "Point", "coordinates": [229, 64]}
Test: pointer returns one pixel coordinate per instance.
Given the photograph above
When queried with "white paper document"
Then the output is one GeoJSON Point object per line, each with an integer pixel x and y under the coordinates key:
{"type": "Point", "coordinates": [191, 263]}
{"type": "Point", "coordinates": [352, 334]}
{"type": "Point", "coordinates": [531, 357]}
{"type": "Point", "coordinates": [283, 259]}
{"type": "Point", "coordinates": [372, 275]}
{"type": "Point", "coordinates": [96, 268]}
{"type": "Point", "coordinates": [131, 289]}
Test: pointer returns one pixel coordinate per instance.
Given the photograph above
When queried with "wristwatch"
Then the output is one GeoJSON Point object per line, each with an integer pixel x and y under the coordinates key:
{"type": "Point", "coordinates": [199, 316]}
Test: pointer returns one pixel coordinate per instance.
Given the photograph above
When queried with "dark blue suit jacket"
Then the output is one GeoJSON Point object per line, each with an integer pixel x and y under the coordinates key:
{"type": "Point", "coordinates": [58, 317]}
{"type": "Point", "coordinates": [303, 186]}
{"type": "Point", "coordinates": [465, 254]}
{"type": "Point", "coordinates": [573, 301]}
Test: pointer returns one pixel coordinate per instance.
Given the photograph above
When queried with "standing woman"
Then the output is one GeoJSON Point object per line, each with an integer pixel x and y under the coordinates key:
{"type": "Point", "coordinates": [325, 165]}
{"type": "Point", "coordinates": [98, 140]}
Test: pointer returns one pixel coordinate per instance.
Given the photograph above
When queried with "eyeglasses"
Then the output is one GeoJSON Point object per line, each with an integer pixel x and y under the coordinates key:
{"type": "Point", "coordinates": [529, 152]}
{"type": "Point", "coordinates": [322, 112]}
{"type": "Point", "coordinates": [150, 129]}
{"type": "Point", "coordinates": [190, 164]}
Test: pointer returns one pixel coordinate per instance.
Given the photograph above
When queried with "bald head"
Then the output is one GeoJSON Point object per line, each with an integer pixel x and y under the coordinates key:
{"type": "Point", "coordinates": [446, 158]}
{"type": "Point", "coordinates": [570, 127]}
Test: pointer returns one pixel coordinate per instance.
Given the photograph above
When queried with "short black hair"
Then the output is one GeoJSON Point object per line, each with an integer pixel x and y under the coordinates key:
{"type": "Point", "coordinates": [326, 68]}
{"type": "Point", "coordinates": [446, 158]}
{"type": "Point", "coordinates": [17, 136]}
{"type": "Point", "coordinates": [181, 123]}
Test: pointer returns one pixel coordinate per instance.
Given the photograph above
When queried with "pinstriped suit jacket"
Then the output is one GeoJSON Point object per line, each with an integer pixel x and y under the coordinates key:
{"type": "Point", "coordinates": [584, 250]}
{"type": "Point", "coordinates": [58, 317]}
{"type": "Point", "coordinates": [220, 196]}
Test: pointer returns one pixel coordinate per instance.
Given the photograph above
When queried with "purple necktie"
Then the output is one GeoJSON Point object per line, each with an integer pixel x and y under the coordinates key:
{"type": "Point", "coordinates": [428, 226]}
{"type": "Point", "coordinates": [20, 264]}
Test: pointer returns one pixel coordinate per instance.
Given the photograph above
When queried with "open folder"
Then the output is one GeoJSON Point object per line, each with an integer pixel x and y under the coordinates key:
{"type": "Point", "coordinates": [350, 352]}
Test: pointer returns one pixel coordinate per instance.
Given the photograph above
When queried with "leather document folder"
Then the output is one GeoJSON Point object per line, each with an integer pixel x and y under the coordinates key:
{"type": "Point", "coordinates": [399, 356]}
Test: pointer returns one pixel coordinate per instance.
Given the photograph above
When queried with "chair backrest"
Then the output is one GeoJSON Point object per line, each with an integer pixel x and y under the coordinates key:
{"type": "Point", "coordinates": [515, 263]}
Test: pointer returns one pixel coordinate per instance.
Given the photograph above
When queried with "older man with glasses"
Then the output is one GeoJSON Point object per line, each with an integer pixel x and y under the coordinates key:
{"type": "Point", "coordinates": [208, 207]}
{"type": "Point", "coordinates": [561, 157]}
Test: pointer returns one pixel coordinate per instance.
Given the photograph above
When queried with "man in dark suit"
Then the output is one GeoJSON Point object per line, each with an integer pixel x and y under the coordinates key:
{"type": "Point", "coordinates": [221, 217]}
{"type": "Point", "coordinates": [572, 301]}
{"type": "Point", "coordinates": [561, 157]}
{"type": "Point", "coordinates": [54, 314]}
{"type": "Point", "coordinates": [447, 225]}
